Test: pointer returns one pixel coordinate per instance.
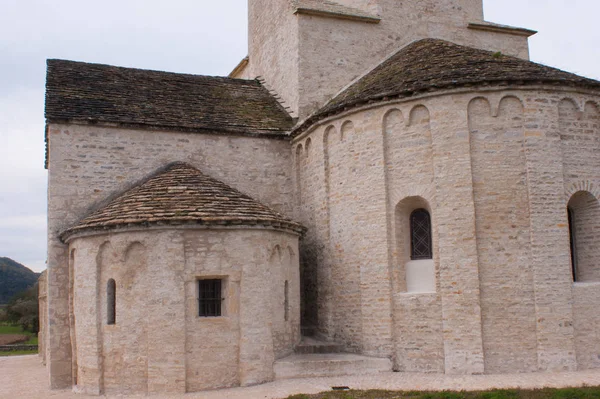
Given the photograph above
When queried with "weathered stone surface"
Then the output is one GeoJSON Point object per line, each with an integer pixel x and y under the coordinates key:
{"type": "Point", "coordinates": [493, 147]}
{"type": "Point", "coordinates": [159, 344]}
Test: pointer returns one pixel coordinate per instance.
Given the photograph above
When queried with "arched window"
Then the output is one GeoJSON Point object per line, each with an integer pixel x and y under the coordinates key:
{"type": "Point", "coordinates": [571, 216]}
{"type": "Point", "coordinates": [286, 301]}
{"type": "Point", "coordinates": [111, 302]}
{"type": "Point", "coordinates": [420, 235]}
{"type": "Point", "coordinates": [583, 211]}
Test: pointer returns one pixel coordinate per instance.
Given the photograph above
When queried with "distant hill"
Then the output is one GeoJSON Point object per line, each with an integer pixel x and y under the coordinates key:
{"type": "Point", "coordinates": [14, 278]}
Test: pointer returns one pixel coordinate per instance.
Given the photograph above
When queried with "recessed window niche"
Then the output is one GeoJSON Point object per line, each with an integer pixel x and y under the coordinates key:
{"type": "Point", "coordinates": [415, 245]}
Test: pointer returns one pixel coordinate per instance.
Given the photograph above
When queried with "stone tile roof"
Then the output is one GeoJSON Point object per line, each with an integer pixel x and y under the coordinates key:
{"type": "Point", "coordinates": [328, 8]}
{"type": "Point", "coordinates": [182, 195]}
{"type": "Point", "coordinates": [431, 64]}
{"type": "Point", "coordinates": [94, 93]}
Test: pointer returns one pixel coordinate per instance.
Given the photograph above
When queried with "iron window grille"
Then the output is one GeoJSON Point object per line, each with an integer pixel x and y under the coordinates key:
{"type": "Point", "coordinates": [210, 298]}
{"type": "Point", "coordinates": [420, 235]}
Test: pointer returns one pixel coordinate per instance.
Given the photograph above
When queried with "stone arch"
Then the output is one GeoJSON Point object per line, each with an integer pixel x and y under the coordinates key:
{"type": "Point", "coordinates": [307, 147]}
{"type": "Point", "coordinates": [299, 156]}
{"type": "Point", "coordinates": [299, 151]}
{"type": "Point", "coordinates": [583, 210]}
{"type": "Point", "coordinates": [393, 117]}
{"type": "Point", "coordinates": [591, 111]}
{"type": "Point", "coordinates": [583, 185]}
{"type": "Point", "coordinates": [418, 274]}
{"type": "Point", "coordinates": [346, 130]}
{"type": "Point", "coordinates": [509, 106]}
{"type": "Point", "coordinates": [275, 255]}
{"type": "Point", "coordinates": [72, 321]}
{"type": "Point", "coordinates": [135, 261]}
{"type": "Point", "coordinates": [291, 253]}
{"type": "Point", "coordinates": [568, 107]}
{"type": "Point", "coordinates": [329, 131]}
{"type": "Point", "coordinates": [419, 114]}
{"type": "Point", "coordinates": [479, 107]}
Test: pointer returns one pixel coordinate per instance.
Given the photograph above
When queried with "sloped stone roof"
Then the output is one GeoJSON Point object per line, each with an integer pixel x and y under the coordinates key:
{"type": "Point", "coordinates": [182, 195]}
{"type": "Point", "coordinates": [431, 64]}
{"type": "Point", "coordinates": [95, 93]}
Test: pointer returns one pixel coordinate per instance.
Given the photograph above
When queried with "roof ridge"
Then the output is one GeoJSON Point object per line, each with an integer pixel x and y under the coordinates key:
{"type": "Point", "coordinates": [50, 61]}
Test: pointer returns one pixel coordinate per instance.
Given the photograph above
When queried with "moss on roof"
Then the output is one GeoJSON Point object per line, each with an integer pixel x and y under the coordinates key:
{"type": "Point", "coordinates": [430, 65]}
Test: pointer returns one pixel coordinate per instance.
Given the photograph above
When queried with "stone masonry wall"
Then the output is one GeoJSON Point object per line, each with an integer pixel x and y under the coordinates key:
{"type": "Point", "coordinates": [409, 172]}
{"type": "Point", "coordinates": [502, 223]}
{"type": "Point", "coordinates": [158, 343]}
{"type": "Point", "coordinates": [500, 233]}
{"type": "Point", "coordinates": [273, 48]}
{"type": "Point", "coordinates": [334, 52]}
{"type": "Point", "coordinates": [580, 144]}
{"type": "Point", "coordinates": [88, 164]}
{"type": "Point", "coordinates": [240, 348]}
{"type": "Point", "coordinates": [579, 123]}
{"type": "Point", "coordinates": [307, 59]}
{"type": "Point", "coordinates": [340, 188]}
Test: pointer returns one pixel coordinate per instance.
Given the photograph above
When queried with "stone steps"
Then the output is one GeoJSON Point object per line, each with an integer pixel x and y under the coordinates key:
{"type": "Point", "coordinates": [310, 345]}
{"type": "Point", "coordinates": [329, 364]}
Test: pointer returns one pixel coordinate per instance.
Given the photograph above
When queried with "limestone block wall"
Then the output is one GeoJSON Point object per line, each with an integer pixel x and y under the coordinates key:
{"type": "Point", "coordinates": [273, 48]}
{"type": "Point", "coordinates": [408, 155]}
{"type": "Point", "coordinates": [158, 343]}
{"type": "Point", "coordinates": [307, 59]}
{"type": "Point", "coordinates": [586, 323]}
{"type": "Point", "coordinates": [489, 167]}
{"type": "Point", "coordinates": [240, 348]}
{"type": "Point", "coordinates": [88, 164]}
{"type": "Point", "coordinates": [502, 224]}
{"type": "Point", "coordinates": [340, 204]}
{"type": "Point", "coordinates": [579, 125]}
{"type": "Point", "coordinates": [334, 52]}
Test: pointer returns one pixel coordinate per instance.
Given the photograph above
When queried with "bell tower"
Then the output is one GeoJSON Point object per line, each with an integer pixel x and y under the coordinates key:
{"type": "Point", "coordinates": [306, 51]}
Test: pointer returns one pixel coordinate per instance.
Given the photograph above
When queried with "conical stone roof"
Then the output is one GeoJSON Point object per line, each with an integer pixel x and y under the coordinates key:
{"type": "Point", "coordinates": [182, 195]}
{"type": "Point", "coordinates": [431, 65]}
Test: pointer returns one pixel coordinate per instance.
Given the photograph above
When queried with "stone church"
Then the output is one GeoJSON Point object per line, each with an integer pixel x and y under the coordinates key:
{"type": "Point", "coordinates": [380, 185]}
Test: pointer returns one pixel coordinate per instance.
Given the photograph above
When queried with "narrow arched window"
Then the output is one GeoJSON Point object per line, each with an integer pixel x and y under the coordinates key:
{"type": "Point", "coordinates": [420, 235]}
{"type": "Point", "coordinates": [583, 211]}
{"type": "Point", "coordinates": [111, 302]}
{"type": "Point", "coordinates": [286, 301]}
{"type": "Point", "coordinates": [571, 215]}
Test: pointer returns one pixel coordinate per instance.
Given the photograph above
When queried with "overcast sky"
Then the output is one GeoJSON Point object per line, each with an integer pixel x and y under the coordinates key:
{"type": "Point", "coordinates": [193, 36]}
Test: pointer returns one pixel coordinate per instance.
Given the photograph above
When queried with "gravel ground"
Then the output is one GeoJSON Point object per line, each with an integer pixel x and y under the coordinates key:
{"type": "Point", "coordinates": [25, 377]}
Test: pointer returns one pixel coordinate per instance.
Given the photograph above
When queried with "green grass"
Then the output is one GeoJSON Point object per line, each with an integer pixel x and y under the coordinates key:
{"type": "Point", "coordinates": [546, 393]}
{"type": "Point", "coordinates": [11, 329]}
{"type": "Point", "coordinates": [8, 329]}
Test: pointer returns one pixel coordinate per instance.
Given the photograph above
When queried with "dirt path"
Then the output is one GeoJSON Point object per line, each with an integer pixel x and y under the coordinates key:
{"type": "Point", "coordinates": [25, 377]}
{"type": "Point", "coordinates": [9, 339]}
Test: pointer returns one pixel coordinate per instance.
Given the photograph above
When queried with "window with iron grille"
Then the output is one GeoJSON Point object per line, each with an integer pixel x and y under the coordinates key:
{"type": "Point", "coordinates": [420, 235]}
{"type": "Point", "coordinates": [209, 298]}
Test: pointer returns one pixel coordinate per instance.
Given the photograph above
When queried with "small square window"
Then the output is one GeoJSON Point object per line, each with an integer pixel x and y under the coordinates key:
{"type": "Point", "coordinates": [210, 298]}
